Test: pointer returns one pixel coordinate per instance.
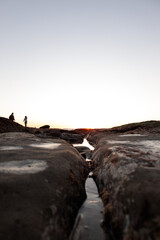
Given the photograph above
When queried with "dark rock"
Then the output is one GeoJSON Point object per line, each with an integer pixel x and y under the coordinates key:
{"type": "Point", "coordinates": [84, 151]}
{"type": "Point", "coordinates": [51, 133]}
{"type": "Point", "coordinates": [41, 187]}
{"type": "Point", "coordinates": [152, 127]}
{"type": "Point", "coordinates": [7, 125]}
{"type": "Point", "coordinates": [45, 127]}
{"type": "Point", "coordinates": [83, 131]}
{"type": "Point", "coordinates": [72, 138]}
{"type": "Point", "coordinates": [127, 172]}
{"type": "Point", "coordinates": [37, 132]}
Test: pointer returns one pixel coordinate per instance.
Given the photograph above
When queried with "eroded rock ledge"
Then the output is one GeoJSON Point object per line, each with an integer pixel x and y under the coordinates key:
{"type": "Point", "coordinates": [41, 187]}
{"type": "Point", "coordinates": [127, 173]}
{"type": "Point", "coordinates": [42, 180]}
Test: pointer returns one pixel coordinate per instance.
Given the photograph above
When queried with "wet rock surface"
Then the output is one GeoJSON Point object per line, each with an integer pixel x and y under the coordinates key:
{"type": "Point", "coordinates": [88, 221]}
{"type": "Point", "coordinates": [41, 187]}
{"type": "Point", "coordinates": [42, 180]}
{"type": "Point", "coordinates": [148, 127]}
{"type": "Point", "coordinates": [127, 173]}
{"type": "Point", "coordinates": [84, 151]}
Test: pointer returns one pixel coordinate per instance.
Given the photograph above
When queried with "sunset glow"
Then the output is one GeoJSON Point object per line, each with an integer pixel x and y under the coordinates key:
{"type": "Point", "coordinates": [76, 64]}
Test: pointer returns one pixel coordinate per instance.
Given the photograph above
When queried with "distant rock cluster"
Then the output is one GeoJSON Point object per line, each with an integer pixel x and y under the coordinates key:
{"type": "Point", "coordinates": [71, 136]}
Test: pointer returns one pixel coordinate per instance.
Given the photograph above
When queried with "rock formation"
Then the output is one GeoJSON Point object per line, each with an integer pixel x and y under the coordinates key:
{"type": "Point", "coordinates": [45, 126]}
{"type": "Point", "coordinates": [71, 136]}
{"type": "Point", "coordinates": [42, 180]}
{"type": "Point", "coordinates": [84, 151]}
{"type": "Point", "coordinates": [41, 187]}
{"type": "Point", "coordinates": [127, 173]}
{"type": "Point", "coordinates": [6, 125]}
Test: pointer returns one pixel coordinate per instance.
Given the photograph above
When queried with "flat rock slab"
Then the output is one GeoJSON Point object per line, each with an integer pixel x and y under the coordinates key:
{"type": "Point", "coordinates": [41, 187]}
{"type": "Point", "coordinates": [127, 172]}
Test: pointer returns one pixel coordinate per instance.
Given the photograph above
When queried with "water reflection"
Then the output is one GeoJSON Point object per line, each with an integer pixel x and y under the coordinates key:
{"type": "Point", "coordinates": [90, 215]}
{"type": "Point", "coordinates": [11, 148]}
{"type": "Point", "coordinates": [23, 166]}
{"type": "Point", "coordinates": [46, 145]}
{"type": "Point", "coordinates": [85, 144]}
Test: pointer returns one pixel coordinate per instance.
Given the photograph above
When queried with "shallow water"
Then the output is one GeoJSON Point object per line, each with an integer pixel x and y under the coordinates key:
{"type": "Point", "coordinates": [23, 167]}
{"type": "Point", "coordinates": [152, 145]}
{"type": "Point", "coordinates": [89, 218]}
{"type": "Point", "coordinates": [8, 148]}
{"type": "Point", "coordinates": [132, 135]}
{"type": "Point", "coordinates": [148, 145]}
{"type": "Point", "coordinates": [85, 144]}
{"type": "Point", "coordinates": [46, 145]}
{"type": "Point", "coordinates": [88, 222]}
{"type": "Point", "coordinates": [117, 142]}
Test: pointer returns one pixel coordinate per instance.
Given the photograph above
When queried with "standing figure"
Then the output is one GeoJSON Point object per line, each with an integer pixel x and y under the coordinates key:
{"type": "Point", "coordinates": [11, 117]}
{"type": "Point", "coordinates": [25, 121]}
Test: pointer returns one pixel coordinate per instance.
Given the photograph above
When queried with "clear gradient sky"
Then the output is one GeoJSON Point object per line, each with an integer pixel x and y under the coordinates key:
{"type": "Point", "coordinates": [80, 63]}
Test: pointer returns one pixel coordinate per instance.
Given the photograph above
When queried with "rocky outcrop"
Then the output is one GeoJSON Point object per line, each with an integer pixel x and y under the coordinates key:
{"type": "Point", "coordinates": [6, 125]}
{"type": "Point", "coordinates": [71, 136]}
{"type": "Point", "coordinates": [127, 173]}
{"type": "Point", "coordinates": [42, 180]}
{"type": "Point", "coordinates": [148, 127]}
{"type": "Point", "coordinates": [41, 187]}
{"type": "Point", "coordinates": [45, 126]}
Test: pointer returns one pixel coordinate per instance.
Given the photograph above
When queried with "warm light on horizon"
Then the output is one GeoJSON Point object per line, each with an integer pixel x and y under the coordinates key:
{"type": "Point", "coordinates": [80, 64]}
{"type": "Point", "coordinates": [76, 126]}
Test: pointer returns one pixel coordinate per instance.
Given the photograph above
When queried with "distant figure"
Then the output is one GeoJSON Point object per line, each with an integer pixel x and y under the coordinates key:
{"type": "Point", "coordinates": [25, 121]}
{"type": "Point", "coordinates": [11, 117]}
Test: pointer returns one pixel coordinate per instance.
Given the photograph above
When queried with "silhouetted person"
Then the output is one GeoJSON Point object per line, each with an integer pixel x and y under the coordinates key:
{"type": "Point", "coordinates": [11, 117]}
{"type": "Point", "coordinates": [25, 121]}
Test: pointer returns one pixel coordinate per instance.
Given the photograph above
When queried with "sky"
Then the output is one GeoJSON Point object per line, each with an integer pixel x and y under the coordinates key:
{"type": "Point", "coordinates": [80, 63]}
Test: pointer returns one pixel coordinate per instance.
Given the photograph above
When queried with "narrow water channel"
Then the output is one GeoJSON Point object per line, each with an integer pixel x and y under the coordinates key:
{"type": "Point", "coordinates": [88, 222]}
